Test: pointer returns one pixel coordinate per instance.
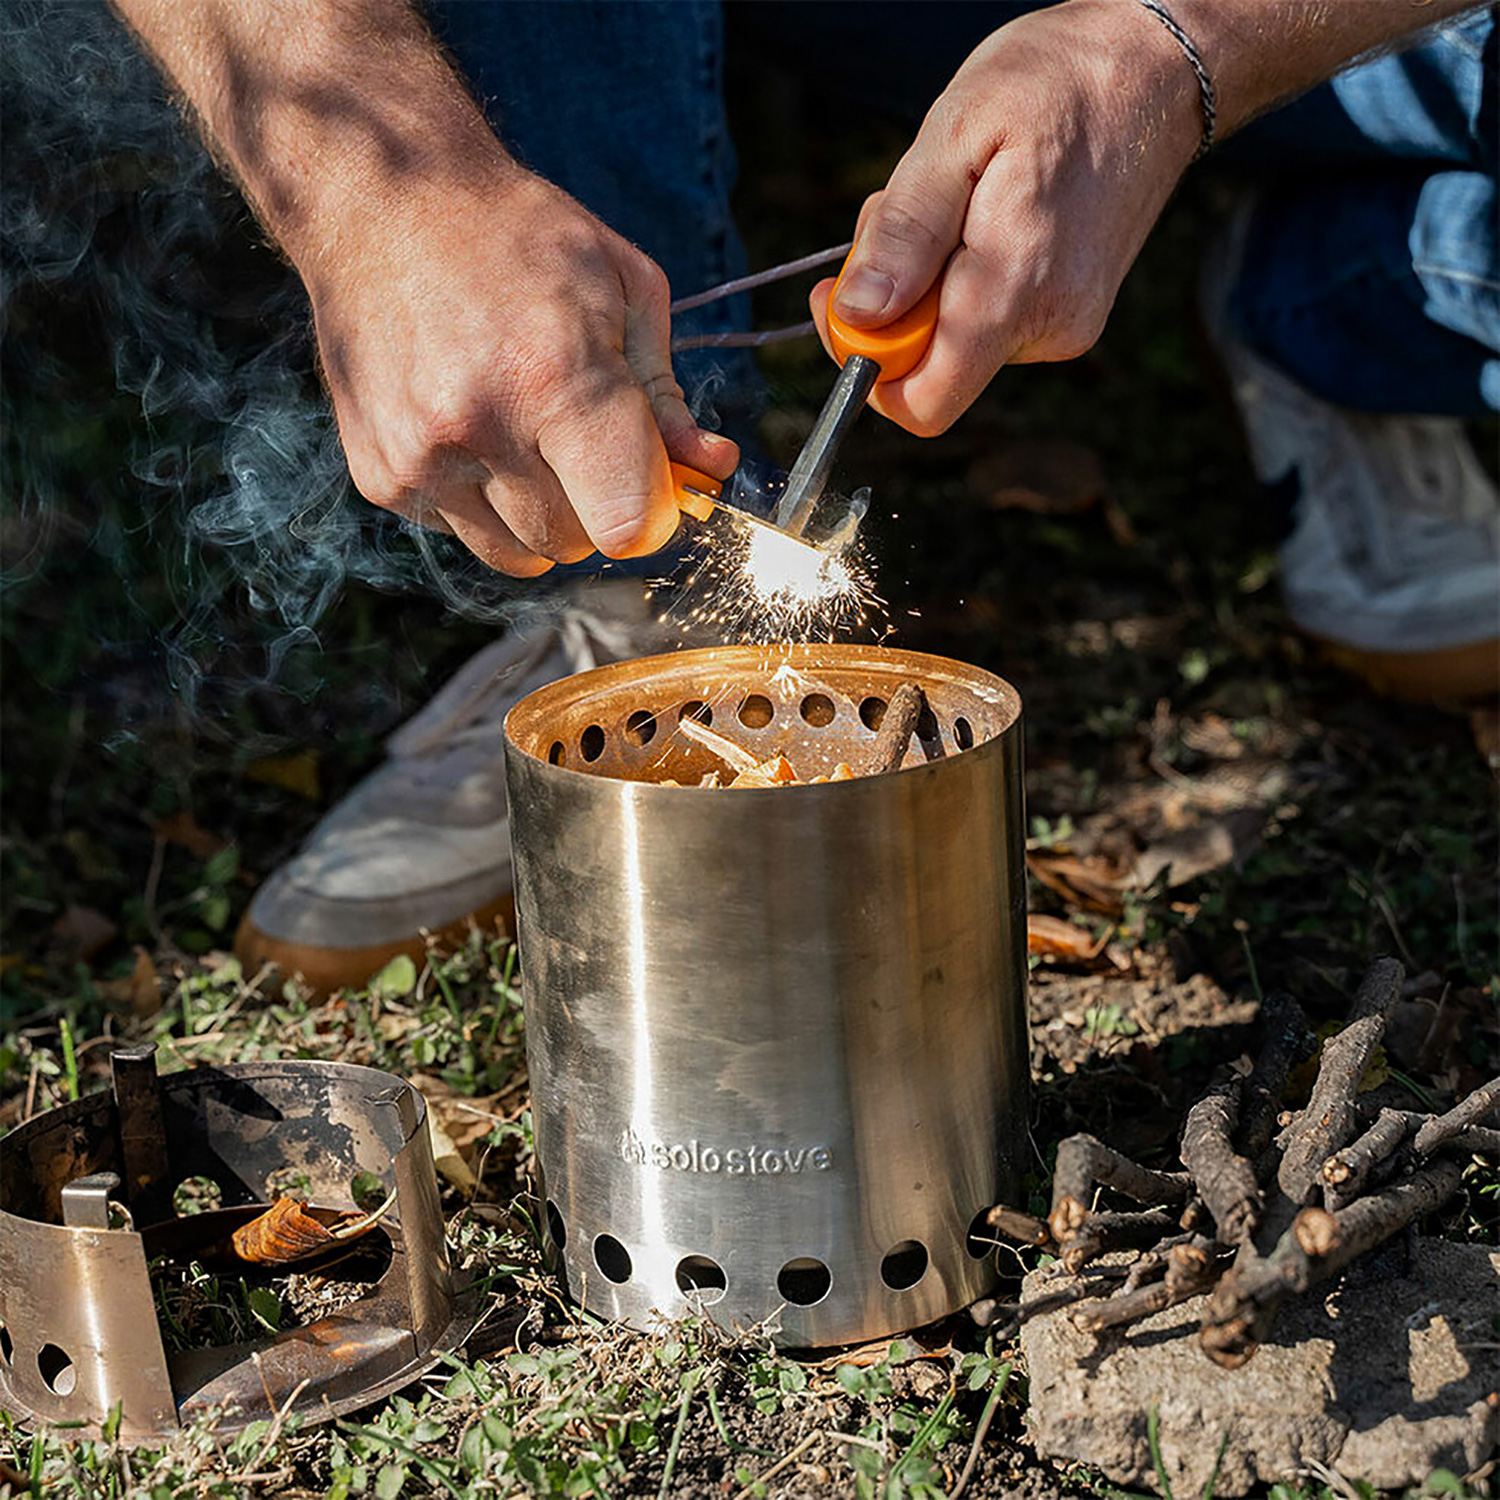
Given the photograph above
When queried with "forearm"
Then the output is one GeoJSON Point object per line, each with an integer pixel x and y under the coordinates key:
{"type": "Point", "coordinates": [1260, 52]}
{"type": "Point", "coordinates": [324, 110]}
{"type": "Point", "coordinates": [499, 360]}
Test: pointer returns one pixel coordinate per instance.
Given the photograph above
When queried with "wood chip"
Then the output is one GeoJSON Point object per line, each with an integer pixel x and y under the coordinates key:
{"type": "Point", "coordinates": [726, 749]}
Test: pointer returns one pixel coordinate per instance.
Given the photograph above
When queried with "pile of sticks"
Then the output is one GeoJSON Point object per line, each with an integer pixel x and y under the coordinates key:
{"type": "Point", "coordinates": [1271, 1202]}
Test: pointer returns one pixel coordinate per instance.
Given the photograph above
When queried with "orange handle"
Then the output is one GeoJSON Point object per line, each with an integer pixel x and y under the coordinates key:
{"type": "Point", "coordinates": [694, 493]}
{"type": "Point", "coordinates": [897, 347]}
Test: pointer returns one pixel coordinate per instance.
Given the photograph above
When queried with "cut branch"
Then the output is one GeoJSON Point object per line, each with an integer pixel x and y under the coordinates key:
{"type": "Point", "coordinates": [1345, 1172]}
{"type": "Point", "coordinates": [1289, 1041]}
{"type": "Point", "coordinates": [1484, 1101]}
{"type": "Point", "coordinates": [1092, 1283]}
{"type": "Point", "coordinates": [1152, 1265]}
{"type": "Point", "coordinates": [1015, 1225]}
{"type": "Point", "coordinates": [1244, 1306]}
{"type": "Point", "coordinates": [896, 729]}
{"type": "Point", "coordinates": [1102, 1234]}
{"type": "Point", "coordinates": [1330, 1118]}
{"type": "Point", "coordinates": [1225, 1181]}
{"type": "Point", "coordinates": [1476, 1140]}
{"type": "Point", "coordinates": [1190, 1269]}
{"type": "Point", "coordinates": [1084, 1163]}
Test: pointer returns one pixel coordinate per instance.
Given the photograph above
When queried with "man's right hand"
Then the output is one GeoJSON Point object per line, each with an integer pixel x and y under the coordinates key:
{"type": "Point", "coordinates": [498, 359]}
{"type": "Point", "coordinates": [502, 364]}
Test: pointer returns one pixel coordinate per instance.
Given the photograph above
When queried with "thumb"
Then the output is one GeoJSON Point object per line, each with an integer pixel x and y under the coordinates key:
{"type": "Point", "coordinates": [905, 235]}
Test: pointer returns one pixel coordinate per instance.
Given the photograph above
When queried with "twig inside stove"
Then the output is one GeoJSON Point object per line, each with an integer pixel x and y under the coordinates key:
{"type": "Point", "coordinates": [896, 729]}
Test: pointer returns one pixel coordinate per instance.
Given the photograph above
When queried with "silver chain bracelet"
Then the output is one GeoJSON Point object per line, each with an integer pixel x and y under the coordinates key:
{"type": "Point", "coordinates": [1205, 83]}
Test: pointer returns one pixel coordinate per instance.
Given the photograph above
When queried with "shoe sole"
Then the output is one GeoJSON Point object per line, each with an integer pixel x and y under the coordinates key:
{"type": "Point", "coordinates": [324, 970]}
{"type": "Point", "coordinates": [1453, 676]}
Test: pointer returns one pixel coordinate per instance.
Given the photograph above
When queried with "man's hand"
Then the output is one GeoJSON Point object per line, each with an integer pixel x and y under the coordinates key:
{"type": "Point", "coordinates": [498, 359]}
{"type": "Point", "coordinates": [1038, 173]}
{"type": "Point", "coordinates": [501, 364]}
{"type": "Point", "coordinates": [1034, 180]}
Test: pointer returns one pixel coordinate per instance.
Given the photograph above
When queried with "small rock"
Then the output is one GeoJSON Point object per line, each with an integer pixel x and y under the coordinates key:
{"type": "Point", "coordinates": [1381, 1380]}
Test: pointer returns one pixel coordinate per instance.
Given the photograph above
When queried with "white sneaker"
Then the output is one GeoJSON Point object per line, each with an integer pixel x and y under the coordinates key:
{"type": "Point", "coordinates": [422, 844]}
{"type": "Point", "coordinates": [1394, 556]}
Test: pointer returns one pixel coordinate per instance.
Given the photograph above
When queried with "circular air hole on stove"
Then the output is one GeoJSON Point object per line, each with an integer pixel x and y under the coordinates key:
{"type": "Point", "coordinates": [701, 1279]}
{"type": "Point", "coordinates": [591, 742]}
{"type": "Point", "coordinates": [804, 1281]}
{"type": "Point", "coordinates": [695, 708]}
{"type": "Point", "coordinates": [818, 709]}
{"type": "Point", "coordinates": [640, 727]}
{"type": "Point", "coordinates": [927, 727]}
{"type": "Point", "coordinates": [871, 712]}
{"type": "Point", "coordinates": [558, 1229]}
{"type": "Point", "coordinates": [980, 1239]}
{"type": "Point", "coordinates": [196, 1195]}
{"type": "Point", "coordinates": [7, 1349]}
{"type": "Point", "coordinates": [963, 733]}
{"type": "Point", "coordinates": [556, 753]}
{"type": "Point", "coordinates": [612, 1258]}
{"type": "Point", "coordinates": [757, 711]}
{"type": "Point", "coordinates": [904, 1265]}
{"type": "Point", "coordinates": [55, 1366]}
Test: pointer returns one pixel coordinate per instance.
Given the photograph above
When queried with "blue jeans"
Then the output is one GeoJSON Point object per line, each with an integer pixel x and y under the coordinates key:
{"type": "Point", "coordinates": [1372, 274]}
{"type": "Point", "coordinates": [620, 103]}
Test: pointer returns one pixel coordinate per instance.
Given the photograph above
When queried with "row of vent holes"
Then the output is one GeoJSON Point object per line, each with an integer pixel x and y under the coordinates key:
{"type": "Point", "coordinates": [756, 712]}
{"type": "Point", "coordinates": [53, 1364]}
{"type": "Point", "coordinates": [640, 730]}
{"type": "Point", "coordinates": [802, 1281]}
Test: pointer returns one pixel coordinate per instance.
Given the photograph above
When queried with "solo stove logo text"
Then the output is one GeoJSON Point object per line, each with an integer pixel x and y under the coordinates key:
{"type": "Point", "coordinates": [736, 1161]}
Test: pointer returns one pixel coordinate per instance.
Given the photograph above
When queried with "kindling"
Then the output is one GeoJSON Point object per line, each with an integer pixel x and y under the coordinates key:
{"type": "Point", "coordinates": [735, 1161]}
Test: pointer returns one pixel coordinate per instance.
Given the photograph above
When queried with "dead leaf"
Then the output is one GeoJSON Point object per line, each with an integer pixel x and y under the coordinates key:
{"type": "Point", "coordinates": [141, 993]}
{"type": "Point", "coordinates": [1207, 845]}
{"type": "Point", "coordinates": [80, 933]}
{"type": "Point", "coordinates": [1090, 882]}
{"type": "Point", "coordinates": [447, 1158]}
{"type": "Point", "coordinates": [1051, 937]}
{"type": "Point", "coordinates": [145, 985]}
{"type": "Point", "coordinates": [296, 773]}
{"type": "Point", "coordinates": [290, 1231]}
{"type": "Point", "coordinates": [183, 829]}
{"type": "Point", "coordinates": [1047, 477]}
{"type": "Point", "coordinates": [459, 1126]}
{"type": "Point", "coordinates": [920, 1344]}
{"type": "Point", "coordinates": [465, 1118]}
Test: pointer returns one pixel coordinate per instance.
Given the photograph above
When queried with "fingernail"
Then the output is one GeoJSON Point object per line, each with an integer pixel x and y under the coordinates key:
{"type": "Point", "coordinates": [865, 292]}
